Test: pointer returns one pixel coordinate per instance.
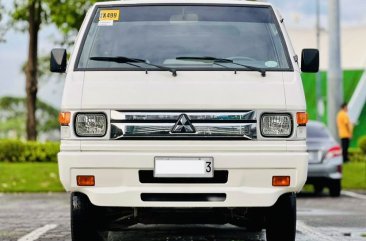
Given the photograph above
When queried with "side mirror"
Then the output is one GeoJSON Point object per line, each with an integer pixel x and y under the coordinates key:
{"type": "Point", "coordinates": [58, 61]}
{"type": "Point", "coordinates": [310, 61]}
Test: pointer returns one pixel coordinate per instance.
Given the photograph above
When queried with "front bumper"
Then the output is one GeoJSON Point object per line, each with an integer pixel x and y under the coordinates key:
{"type": "Point", "coordinates": [249, 181]}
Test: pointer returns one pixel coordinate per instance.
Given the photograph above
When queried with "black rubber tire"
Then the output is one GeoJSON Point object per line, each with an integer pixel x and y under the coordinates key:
{"type": "Point", "coordinates": [281, 219]}
{"type": "Point", "coordinates": [83, 219]}
{"type": "Point", "coordinates": [318, 189]}
{"type": "Point", "coordinates": [335, 188]}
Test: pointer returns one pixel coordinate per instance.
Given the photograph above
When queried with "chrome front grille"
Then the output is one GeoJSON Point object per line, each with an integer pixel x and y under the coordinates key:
{"type": "Point", "coordinates": [183, 125]}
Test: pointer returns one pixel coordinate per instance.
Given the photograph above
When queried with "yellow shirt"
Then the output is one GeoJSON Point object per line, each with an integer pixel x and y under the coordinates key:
{"type": "Point", "coordinates": [344, 124]}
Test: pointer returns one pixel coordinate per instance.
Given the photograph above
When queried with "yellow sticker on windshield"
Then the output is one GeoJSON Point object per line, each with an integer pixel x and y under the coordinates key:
{"type": "Point", "coordinates": [108, 15]}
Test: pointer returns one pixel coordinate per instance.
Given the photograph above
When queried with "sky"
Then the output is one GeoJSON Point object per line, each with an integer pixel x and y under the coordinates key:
{"type": "Point", "coordinates": [297, 14]}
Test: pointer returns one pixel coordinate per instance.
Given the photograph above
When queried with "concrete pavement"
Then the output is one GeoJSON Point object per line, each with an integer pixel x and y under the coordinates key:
{"type": "Point", "coordinates": [45, 217]}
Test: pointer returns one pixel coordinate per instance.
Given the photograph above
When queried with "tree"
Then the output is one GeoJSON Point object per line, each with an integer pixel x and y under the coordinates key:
{"type": "Point", "coordinates": [67, 15]}
{"type": "Point", "coordinates": [2, 28]}
{"type": "Point", "coordinates": [13, 115]}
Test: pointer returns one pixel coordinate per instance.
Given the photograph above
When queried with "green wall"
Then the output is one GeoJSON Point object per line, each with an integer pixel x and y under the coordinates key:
{"type": "Point", "coordinates": [350, 81]}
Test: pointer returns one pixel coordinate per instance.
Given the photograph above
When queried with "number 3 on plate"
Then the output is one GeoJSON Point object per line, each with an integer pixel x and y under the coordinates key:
{"type": "Point", "coordinates": [208, 167]}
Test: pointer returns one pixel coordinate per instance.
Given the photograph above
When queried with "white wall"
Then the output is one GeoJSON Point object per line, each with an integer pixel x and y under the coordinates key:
{"type": "Point", "coordinates": [353, 45]}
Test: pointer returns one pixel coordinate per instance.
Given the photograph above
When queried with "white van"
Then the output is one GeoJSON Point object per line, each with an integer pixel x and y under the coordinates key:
{"type": "Point", "coordinates": [183, 111]}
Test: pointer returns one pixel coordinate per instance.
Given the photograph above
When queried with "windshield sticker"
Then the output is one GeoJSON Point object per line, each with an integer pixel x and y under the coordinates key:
{"type": "Point", "coordinates": [271, 64]}
{"type": "Point", "coordinates": [109, 15]}
{"type": "Point", "coordinates": [105, 23]}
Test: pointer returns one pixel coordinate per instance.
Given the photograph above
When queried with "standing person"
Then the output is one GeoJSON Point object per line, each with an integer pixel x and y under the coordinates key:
{"type": "Point", "coordinates": [345, 129]}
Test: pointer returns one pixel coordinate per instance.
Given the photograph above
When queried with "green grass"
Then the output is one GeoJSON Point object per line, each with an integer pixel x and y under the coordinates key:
{"type": "Point", "coordinates": [354, 176]}
{"type": "Point", "coordinates": [43, 177]}
{"type": "Point", "coordinates": [29, 177]}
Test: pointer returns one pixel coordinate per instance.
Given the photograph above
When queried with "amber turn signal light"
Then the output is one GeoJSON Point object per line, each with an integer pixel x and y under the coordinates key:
{"type": "Point", "coordinates": [281, 181]}
{"type": "Point", "coordinates": [64, 118]}
{"type": "Point", "coordinates": [302, 118]}
{"type": "Point", "coordinates": [85, 181]}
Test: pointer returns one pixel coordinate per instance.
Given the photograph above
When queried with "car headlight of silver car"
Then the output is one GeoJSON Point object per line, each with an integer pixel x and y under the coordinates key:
{"type": "Point", "coordinates": [91, 124]}
{"type": "Point", "coordinates": [276, 125]}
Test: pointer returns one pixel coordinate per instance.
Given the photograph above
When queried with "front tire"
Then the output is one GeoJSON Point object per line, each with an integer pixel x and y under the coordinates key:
{"type": "Point", "coordinates": [281, 219]}
{"type": "Point", "coordinates": [83, 219]}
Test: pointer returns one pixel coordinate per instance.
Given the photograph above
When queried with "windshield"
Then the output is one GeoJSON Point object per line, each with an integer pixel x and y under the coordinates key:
{"type": "Point", "coordinates": [182, 37]}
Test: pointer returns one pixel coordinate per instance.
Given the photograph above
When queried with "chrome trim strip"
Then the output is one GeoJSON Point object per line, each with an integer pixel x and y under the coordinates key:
{"type": "Point", "coordinates": [206, 124]}
{"type": "Point", "coordinates": [146, 116]}
{"type": "Point", "coordinates": [247, 131]}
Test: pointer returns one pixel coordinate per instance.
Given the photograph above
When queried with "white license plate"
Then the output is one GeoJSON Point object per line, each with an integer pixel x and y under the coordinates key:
{"type": "Point", "coordinates": [185, 167]}
{"type": "Point", "coordinates": [314, 157]}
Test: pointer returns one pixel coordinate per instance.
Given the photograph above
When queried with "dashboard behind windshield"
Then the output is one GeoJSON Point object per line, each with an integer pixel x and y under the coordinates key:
{"type": "Point", "coordinates": [162, 35]}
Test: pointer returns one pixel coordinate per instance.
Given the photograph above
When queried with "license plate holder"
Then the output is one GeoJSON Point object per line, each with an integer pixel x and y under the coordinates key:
{"type": "Point", "coordinates": [184, 167]}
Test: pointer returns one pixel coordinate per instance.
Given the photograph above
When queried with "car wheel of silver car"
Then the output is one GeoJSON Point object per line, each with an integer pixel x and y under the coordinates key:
{"type": "Point", "coordinates": [281, 219]}
{"type": "Point", "coordinates": [335, 188]}
{"type": "Point", "coordinates": [83, 219]}
{"type": "Point", "coordinates": [318, 189]}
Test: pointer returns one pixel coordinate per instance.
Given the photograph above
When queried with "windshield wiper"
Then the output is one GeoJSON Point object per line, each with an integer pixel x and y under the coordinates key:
{"type": "Point", "coordinates": [222, 60]}
{"type": "Point", "coordinates": [130, 61]}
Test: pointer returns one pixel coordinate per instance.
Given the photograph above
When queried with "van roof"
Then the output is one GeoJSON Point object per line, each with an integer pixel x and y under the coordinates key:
{"type": "Point", "coordinates": [244, 2]}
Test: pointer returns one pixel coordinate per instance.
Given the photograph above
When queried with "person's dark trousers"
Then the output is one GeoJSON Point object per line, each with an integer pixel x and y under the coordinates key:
{"type": "Point", "coordinates": [345, 146]}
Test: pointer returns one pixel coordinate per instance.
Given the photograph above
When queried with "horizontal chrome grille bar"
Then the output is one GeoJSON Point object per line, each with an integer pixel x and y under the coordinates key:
{"type": "Point", "coordinates": [164, 129]}
{"type": "Point", "coordinates": [206, 125]}
{"type": "Point", "coordinates": [173, 116]}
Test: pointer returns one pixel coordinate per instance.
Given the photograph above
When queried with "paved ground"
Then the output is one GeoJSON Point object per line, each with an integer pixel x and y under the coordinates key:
{"type": "Point", "coordinates": [45, 217]}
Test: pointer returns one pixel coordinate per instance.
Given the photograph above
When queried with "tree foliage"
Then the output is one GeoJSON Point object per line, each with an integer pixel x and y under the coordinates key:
{"type": "Point", "coordinates": [13, 116]}
{"type": "Point", "coordinates": [2, 25]}
{"type": "Point", "coordinates": [31, 15]}
{"type": "Point", "coordinates": [67, 15]}
{"type": "Point", "coordinates": [43, 68]}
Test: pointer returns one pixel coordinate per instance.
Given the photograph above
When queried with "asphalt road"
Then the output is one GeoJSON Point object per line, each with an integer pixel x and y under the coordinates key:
{"type": "Point", "coordinates": [45, 217]}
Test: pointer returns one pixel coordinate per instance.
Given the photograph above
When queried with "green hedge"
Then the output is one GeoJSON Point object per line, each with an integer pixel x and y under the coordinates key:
{"type": "Point", "coordinates": [356, 155]}
{"type": "Point", "coordinates": [362, 144]}
{"type": "Point", "coordinates": [20, 151]}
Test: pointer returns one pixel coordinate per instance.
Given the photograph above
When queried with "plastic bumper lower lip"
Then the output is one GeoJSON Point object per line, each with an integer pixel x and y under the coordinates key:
{"type": "Point", "coordinates": [249, 178]}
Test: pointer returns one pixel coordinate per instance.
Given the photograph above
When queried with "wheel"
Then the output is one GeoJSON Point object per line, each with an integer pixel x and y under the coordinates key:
{"type": "Point", "coordinates": [83, 219]}
{"type": "Point", "coordinates": [318, 189]}
{"type": "Point", "coordinates": [281, 219]}
{"type": "Point", "coordinates": [335, 188]}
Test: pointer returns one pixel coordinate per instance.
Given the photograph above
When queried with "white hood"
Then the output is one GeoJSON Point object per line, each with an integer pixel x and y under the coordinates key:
{"type": "Point", "coordinates": [190, 90]}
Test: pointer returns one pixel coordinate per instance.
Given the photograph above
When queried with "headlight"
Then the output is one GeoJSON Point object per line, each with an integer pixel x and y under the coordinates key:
{"type": "Point", "coordinates": [91, 125]}
{"type": "Point", "coordinates": [276, 125]}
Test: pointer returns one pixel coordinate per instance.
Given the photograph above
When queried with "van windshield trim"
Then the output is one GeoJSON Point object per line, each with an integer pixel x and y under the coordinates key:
{"type": "Point", "coordinates": [76, 67]}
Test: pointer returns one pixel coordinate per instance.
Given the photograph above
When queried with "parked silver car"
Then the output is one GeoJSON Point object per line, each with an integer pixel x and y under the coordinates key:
{"type": "Point", "coordinates": [325, 159]}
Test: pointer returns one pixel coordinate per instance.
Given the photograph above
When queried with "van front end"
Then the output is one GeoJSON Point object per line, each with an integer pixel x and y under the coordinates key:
{"type": "Point", "coordinates": [236, 166]}
{"type": "Point", "coordinates": [183, 112]}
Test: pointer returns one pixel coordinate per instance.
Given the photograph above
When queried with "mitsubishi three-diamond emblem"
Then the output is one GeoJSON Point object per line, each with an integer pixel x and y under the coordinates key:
{"type": "Point", "coordinates": [183, 125]}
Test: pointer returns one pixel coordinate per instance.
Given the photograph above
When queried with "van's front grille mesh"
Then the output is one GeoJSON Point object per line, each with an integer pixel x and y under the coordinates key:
{"type": "Point", "coordinates": [183, 125]}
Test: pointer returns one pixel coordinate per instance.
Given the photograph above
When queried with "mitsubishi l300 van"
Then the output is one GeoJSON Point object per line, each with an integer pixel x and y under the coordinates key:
{"type": "Point", "coordinates": [184, 111]}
